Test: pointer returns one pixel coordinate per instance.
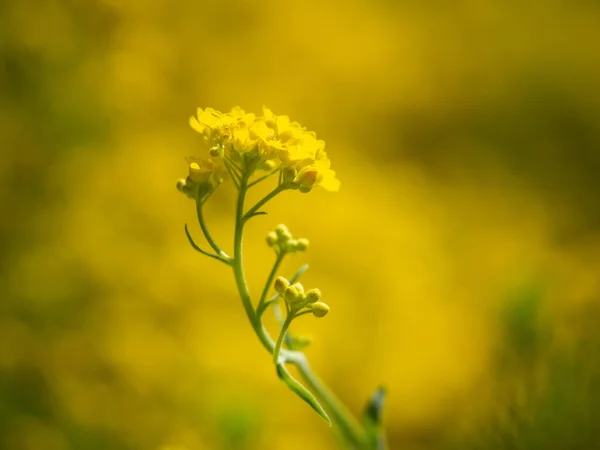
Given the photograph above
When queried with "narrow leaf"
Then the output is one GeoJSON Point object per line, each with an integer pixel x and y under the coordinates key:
{"type": "Point", "coordinates": [304, 393]}
{"type": "Point", "coordinates": [372, 420]}
{"type": "Point", "coordinates": [258, 213]}
{"type": "Point", "coordinates": [299, 273]}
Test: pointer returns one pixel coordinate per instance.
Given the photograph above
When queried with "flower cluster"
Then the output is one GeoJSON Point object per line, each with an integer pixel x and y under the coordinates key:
{"type": "Point", "coordinates": [281, 240]}
{"type": "Point", "coordinates": [297, 299]}
{"type": "Point", "coordinates": [266, 142]}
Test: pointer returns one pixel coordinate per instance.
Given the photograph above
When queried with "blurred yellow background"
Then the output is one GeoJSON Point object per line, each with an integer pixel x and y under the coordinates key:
{"type": "Point", "coordinates": [460, 258]}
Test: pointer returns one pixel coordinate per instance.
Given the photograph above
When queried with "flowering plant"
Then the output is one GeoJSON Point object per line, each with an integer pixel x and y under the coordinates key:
{"type": "Point", "coordinates": [250, 149]}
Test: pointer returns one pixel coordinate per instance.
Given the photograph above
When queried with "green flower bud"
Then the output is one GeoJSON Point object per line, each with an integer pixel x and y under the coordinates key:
{"type": "Point", "coordinates": [283, 233]}
{"type": "Point", "coordinates": [291, 294]}
{"type": "Point", "coordinates": [281, 284]}
{"type": "Point", "coordinates": [269, 164]}
{"type": "Point", "coordinates": [304, 189]}
{"type": "Point", "coordinates": [281, 229]}
{"type": "Point", "coordinates": [307, 177]}
{"type": "Point", "coordinates": [299, 287]}
{"type": "Point", "coordinates": [302, 245]}
{"type": "Point", "coordinates": [271, 238]}
{"type": "Point", "coordinates": [320, 309]}
{"type": "Point", "coordinates": [288, 174]}
{"type": "Point", "coordinates": [291, 245]}
{"type": "Point", "coordinates": [313, 295]}
{"type": "Point", "coordinates": [181, 185]}
{"type": "Point", "coordinates": [216, 152]}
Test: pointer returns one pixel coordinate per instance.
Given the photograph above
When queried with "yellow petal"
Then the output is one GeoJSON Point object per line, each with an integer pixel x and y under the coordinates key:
{"type": "Point", "coordinates": [197, 126]}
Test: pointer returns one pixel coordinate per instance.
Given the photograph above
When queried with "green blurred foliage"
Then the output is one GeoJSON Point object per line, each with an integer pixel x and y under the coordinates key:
{"type": "Point", "coordinates": [460, 258]}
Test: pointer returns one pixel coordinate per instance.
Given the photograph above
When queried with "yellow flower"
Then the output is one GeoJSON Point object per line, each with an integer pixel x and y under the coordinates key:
{"type": "Point", "coordinates": [286, 130]}
{"type": "Point", "coordinates": [205, 170]}
{"type": "Point", "coordinates": [269, 138]}
{"type": "Point", "coordinates": [316, 172]}
{"type": "Point", "coordinates": [306, 148]}
{"type": "Point", "coordinates": [268, 144]}
{"type": "Point", "coordinates": [214, 126]}
{"type": "Point", "coordinates": [243, 141]}
{"type": "Point", "coordinates": [326, 177]}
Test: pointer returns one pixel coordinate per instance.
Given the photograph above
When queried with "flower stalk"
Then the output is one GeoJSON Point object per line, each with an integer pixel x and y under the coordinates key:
{"type": "Point", "coordinates": [279, 146]}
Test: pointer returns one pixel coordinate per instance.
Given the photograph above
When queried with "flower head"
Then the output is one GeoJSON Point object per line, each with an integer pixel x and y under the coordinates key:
{"type": "Point", "coordinates": [269, 141]}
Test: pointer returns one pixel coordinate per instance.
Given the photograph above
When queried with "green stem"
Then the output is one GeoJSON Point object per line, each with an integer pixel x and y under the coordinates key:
{"type": "Point", "coordinates": [262, 201]}
{"type": "Point", "coordinates": [282, 332]}
{"type": "Point", "coordinates": [209, 239]}
{"type": "Point", "coordinates": [264, 177]}
{"type": "Point", "coordinates": [238, 169]}
{"type": "Point", "coordinates": [204, 252]}
{"type": "Point", "coordinates": [261, 303]}
{"type": "Point", "coordinates": [348, 425]}
{"type": "Point", "coordinates": [233, 176]}
{"type": "Point", "coordinates": [238, 270]}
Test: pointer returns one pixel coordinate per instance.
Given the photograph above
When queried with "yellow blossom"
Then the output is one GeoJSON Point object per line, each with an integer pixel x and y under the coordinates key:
{"type": "Point", "coordinates": [242, 140]}
{"type": "Point", "coordinates": [268, 144]}
{"type": "Point", "coordinates": [326, 177]}
{"type": "Point", "coordinates": [304, 148]}
{"type": "Point", "coordinates": [214, 126]}
{"type": "Point", "coordinates": [269, 138]}
{"type": "Point", "coordinates": [205, 170]}
{"type": "Point", "coordinates": [286, 130]}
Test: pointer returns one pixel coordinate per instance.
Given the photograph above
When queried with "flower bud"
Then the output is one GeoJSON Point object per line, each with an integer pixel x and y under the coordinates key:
{"type": "Point", "coordinates": [295, 296]}
{"type": "Point", "coordinates": [181, 185]}
{"type": "Point", "coordinates": [288, 174]}
{"type": "Point", "coordinates": [189, 188]}
{"type": "Point", "coordinates": [271, 238]}
{"type": "Point", "coordinates": [313, 295]}
{"type": "Point", "coordinates": [307, 177]}
{"type": "Point", "coordinates": [291, 294]}
{"type": "Point", "coordinates": [299, 287]}
{"type": "Point", "coordinates": [299, 302]}
{"type": "Point", "coordinates": [269, 164]}
{"type": "Point", "coordinates": [305, 189]}
{"type": "Point", "coordinates": [283, 233]}
{"type": "Point", "coordinates": [302, 244]}
{"type": "Point", "coordinates": [281, 229]}
{"type": "Point", "coordinates": [291, 245]}
{"type": "Point", "coordinates": [216, 152]}
{"type": "Point", "coordinates": [196, 173]}
{"type": "Point", "coordinates": [281, 284]}
{"type": "Point", "coordinates": [320, 309]}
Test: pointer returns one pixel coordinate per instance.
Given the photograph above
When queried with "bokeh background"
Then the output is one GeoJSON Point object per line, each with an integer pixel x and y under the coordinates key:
{"type": "Point", "coordinates": [460, 259]}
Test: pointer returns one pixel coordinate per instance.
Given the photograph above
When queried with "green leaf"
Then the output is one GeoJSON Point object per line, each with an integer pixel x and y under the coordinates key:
{"type": "Point", "coordinates": [299, 273]}
{"type": "Point", "coordinates": [257, 213]}
{"type": "Point", "coordinates": [304, 393]}
{"type": "Point", "coordinates": [372, 420]}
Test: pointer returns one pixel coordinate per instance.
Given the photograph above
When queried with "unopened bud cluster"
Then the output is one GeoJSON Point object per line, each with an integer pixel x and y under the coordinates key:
{"type": "Point", "coordinates": [297, 298]}
{"type": "Point", "coordinates": [281, 240]}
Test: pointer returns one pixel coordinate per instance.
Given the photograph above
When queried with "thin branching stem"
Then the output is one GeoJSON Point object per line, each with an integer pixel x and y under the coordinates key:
{"type": "Point", "coordinates": [347, 424]}
{"type": "Point", "coordinates": [263, 201]}
{"type": "Point", "coordinates": [238, 170]}
{"type": "Point", "coordinates": [258, 180]}
{"type": "Point", "coordinates": [204, 227]}
{"type": "Point", "coordinates": [261, 303]}
{"type": "Point", "coordinates": [204, 252]}
{"type": "Point", "coordinates": [232, 174]}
